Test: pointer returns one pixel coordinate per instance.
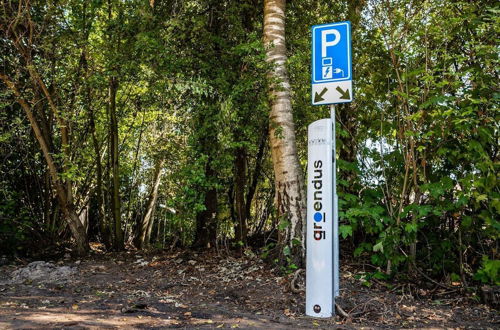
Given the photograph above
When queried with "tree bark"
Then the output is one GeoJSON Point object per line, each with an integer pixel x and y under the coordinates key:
{"type": "Point", "coordinates": [146, 223]}
{"type": "Point", "coordinates": [115, 200]}
{"type": "Point", "coordinates": [289, 178]}
{"type": "Point", "coordinates": [101, 200]}
{"type": "Point", "coordinates": [256, 173]}
{"type": "Point", "coordinates": [135, 182]}
{"type": "Point", "coordinates": [240, 228]}
{"type": "Point", "coordinates": [206, 220]}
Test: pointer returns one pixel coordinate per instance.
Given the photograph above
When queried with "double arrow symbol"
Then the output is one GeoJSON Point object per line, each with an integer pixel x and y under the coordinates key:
{"type": "Point", "coordinates": [344, 94]}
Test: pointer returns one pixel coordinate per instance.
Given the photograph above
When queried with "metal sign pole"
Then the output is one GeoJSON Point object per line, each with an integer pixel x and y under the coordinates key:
{"type": "Point", "coordinates": [336, 245]}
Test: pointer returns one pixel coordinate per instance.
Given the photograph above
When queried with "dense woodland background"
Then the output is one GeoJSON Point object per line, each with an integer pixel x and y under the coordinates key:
{"type": "Point", "coordinates": [147, 124]}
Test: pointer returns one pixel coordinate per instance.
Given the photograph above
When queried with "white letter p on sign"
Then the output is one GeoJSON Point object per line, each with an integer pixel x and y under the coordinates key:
{"type": "Point", "coordinates": [325, 43]}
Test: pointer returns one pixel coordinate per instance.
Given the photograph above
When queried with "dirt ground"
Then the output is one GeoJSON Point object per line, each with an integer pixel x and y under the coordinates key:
{"type": "Point", "coordinates": [207, 290]}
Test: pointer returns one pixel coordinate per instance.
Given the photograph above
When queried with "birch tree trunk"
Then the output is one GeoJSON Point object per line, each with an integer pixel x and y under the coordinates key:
{"type": "Point", "coordinates": [289, 180]}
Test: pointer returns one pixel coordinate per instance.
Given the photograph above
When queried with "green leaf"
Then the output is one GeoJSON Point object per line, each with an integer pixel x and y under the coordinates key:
{"type": "Point", "coordinates": [286, 251]}
{"type": "Point", "coordinates": [283, 224]}
{"type": "Point", "coordinates": [411, 227]}
{"type": "Point", "coordinates": [482, 197]}
{"type": "Point", "coordinates": [378, 247]}
{"type": "Point", "coordinates": [345, 231]}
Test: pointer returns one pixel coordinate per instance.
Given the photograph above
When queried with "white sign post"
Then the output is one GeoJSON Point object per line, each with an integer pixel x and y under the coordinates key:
{"type": "Point", "coordinates": [331, 84]}
{"type": "Point", "coordinates": [319, 279]}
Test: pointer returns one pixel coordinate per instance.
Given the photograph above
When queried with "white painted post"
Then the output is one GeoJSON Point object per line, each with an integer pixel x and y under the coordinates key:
{"type": "Point", "coordinates": [320, 229]}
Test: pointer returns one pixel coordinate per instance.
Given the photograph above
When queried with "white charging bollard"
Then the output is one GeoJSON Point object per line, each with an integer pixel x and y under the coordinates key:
{"type": "Point", "coordinates": [319, 250]}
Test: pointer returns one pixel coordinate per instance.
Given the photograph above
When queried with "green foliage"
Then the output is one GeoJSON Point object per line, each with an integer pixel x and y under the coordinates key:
{"type": "Point", "coordinates": [417, 151]}
{"type": "Point", "coordinates": [266, 250]}
{"type": "Point", "coordinates": [488, 273]}
{"type": "Point", "coordinates": [423, 177]}
{"type": "Point", "coordinates": [16, 228]}
{"type": "Point", "coordinates": [345, 231]}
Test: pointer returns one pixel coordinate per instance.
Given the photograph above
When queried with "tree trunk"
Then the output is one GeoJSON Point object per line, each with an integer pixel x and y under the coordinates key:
{"type": "Point", "coordinates": [289, 179]}
{"type": "Point", "coordinates": [67, 156]}
{"type": "Point", "coordinates": [240, 228]}
{"type": "Point", "coordinates": [114, 152]}
{"type": "Point", "coordinates": [206, 220]}
{"type": "Point", "coordinates": [76, 227]}
{"type": "Point", "coordinates": [101, 201]}
{"type": "Point", "coordinates": [256, 174]}
{"type": "Point", "coordinates": [134, 183]}
{"type": "Point", "coordinates": [146, 223]}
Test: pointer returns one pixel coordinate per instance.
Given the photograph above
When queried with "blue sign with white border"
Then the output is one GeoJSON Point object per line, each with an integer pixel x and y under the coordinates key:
{"type": "Point", "coordinates": [331, 63]}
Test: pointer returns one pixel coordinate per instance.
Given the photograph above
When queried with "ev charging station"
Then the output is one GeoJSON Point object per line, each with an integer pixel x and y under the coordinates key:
{"type": "Point", "coordinates": [331, 84]}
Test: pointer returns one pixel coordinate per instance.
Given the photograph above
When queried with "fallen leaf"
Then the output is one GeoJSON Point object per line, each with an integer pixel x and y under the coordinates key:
{"type": "Point", "coordinates": [181, 305]}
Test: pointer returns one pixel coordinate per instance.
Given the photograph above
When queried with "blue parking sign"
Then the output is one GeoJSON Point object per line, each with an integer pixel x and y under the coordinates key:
{"type": "Point", "coordinates": [331, 63]}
